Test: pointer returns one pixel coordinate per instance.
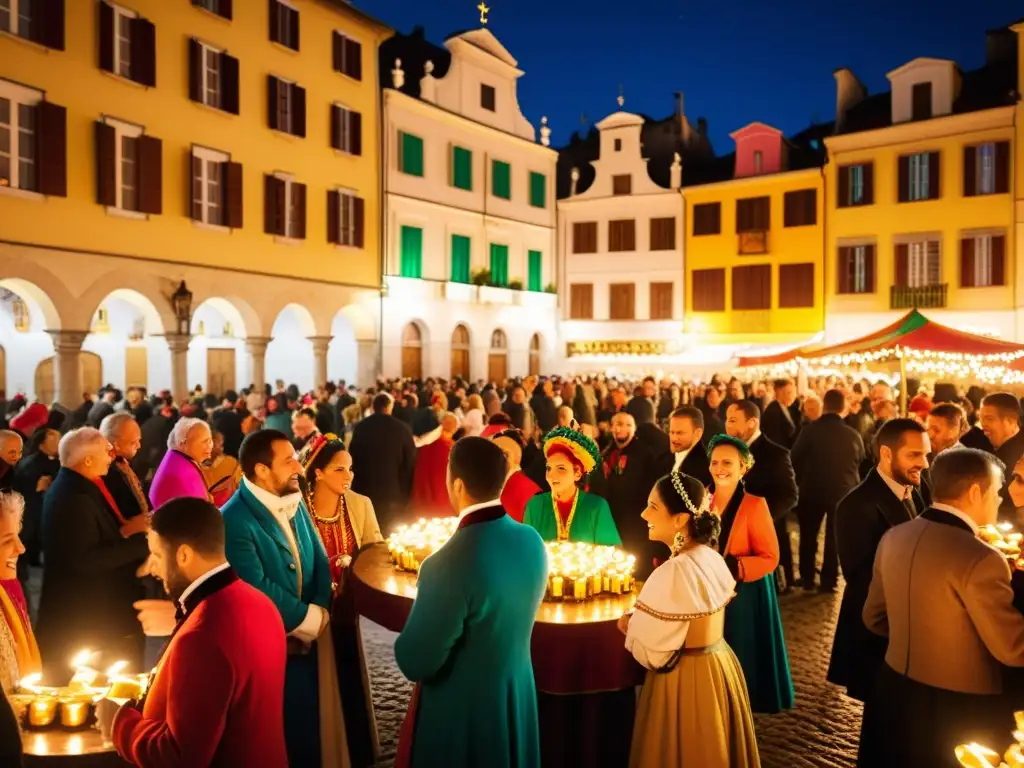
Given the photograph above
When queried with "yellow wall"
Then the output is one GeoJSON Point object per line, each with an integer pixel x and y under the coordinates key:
{"type": "Point", "coordinates": [72, 79]}
{"type": "Point", "coordinates": [786, 245]}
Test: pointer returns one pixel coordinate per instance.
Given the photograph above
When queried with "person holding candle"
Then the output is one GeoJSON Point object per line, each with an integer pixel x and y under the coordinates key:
{"type": "Point", "coordinates": [567, 513]}
{"type": "Point", "coordinates": [19, 654]}
{"type": "Point", "coordinates": [694, 711]}
{"type": "Point", "coordinates": [753, 624]}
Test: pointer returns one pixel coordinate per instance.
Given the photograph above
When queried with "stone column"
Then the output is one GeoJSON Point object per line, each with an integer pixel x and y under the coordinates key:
{"type": "Point", "coordinates": [178, 344]}
{"type": "Point", "coordinates": [67, 368]}
{"type": "Point", "coordinates": [320, 345]}
{"type": "Point", "coordinates": [367, 363]}
{"type": "Point", "coordinates": [256, 346]}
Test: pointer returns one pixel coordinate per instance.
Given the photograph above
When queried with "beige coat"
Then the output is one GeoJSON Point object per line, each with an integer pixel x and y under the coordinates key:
{"type": "Point", "coordinates": [364, 519]}
{"type": "Point", "coordinates": [943, 598]}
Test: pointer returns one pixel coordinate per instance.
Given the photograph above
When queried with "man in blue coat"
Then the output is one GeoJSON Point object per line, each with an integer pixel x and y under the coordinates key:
{"type": "Point", "coordinates": [272, 545]}
{"type": "Point", "coordinates": [467, 639]}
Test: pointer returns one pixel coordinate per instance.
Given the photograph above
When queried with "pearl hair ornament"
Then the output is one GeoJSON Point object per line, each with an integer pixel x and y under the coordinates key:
{"type": "Point", "coordinates": [705, 505]}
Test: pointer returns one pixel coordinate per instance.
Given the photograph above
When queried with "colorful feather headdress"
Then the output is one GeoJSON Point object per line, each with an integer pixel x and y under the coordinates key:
{"type": "Point", "coordinates": [580, 448]}
{"type": "Point", "coordinates": [308, 453]}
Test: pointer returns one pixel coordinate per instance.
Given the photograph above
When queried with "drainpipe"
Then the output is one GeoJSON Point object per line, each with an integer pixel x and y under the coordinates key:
{"type": "Point", "coordinates": [382, 146]}
{"type": "Point", "coordinates": [824, 244]}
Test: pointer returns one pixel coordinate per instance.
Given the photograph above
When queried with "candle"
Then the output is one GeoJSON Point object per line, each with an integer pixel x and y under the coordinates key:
{"type": "Point", "coordinates": [606, 583]}
{"type": "Point", "coordinates": [579, 591]}
{"type": "Point", "coordinates": [595, 586]}
{"type": "Point", "coordinates": [42, 711]}
{"type": "Point", "coordinates": [20, 703]}
{"type": "Point", "coordinates": [556, 587]}
{"type": "Point", "coordinates": [976, 756]}
{"type": "Point", "coordinates": [616, 584]}
{"type": "Point", "coordinates": [74, 712]}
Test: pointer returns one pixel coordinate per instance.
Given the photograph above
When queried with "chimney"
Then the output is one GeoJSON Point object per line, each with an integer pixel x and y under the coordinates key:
{"type": "Point", "coordinates": [676, 172]}
{"type": "Point", "coordinates": [849, 93]}
{"type": "Point", "coordinates": [428, 84]}
{"type": "Point", "coordinates": [683, 126]}
{"type": "Point", "coordinates": [702, 126]}
{"type": "Point", "coordinates": [1001, 47]}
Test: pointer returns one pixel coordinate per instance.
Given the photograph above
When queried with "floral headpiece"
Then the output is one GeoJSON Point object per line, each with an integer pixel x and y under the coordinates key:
{"type": "Point", "coordinates": [580, 448]}
{"type": "Point", "coordinates": [693, 509]}
{"type": "Point", "coordinates": [746, 457]}
{"type": "Point", "coordinates": [309, 452]}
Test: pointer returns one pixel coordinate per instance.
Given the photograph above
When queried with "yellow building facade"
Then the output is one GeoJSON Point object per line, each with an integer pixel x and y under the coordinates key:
{"type": "Point", "coordinates": [156, 142]}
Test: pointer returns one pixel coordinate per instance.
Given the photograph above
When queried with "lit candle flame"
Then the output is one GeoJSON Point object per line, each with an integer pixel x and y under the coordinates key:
{"type": "Point", "coordinates": [31, 683]}
{"type": "Point", "coordinates": [974, 755]}
{"type": "Point", "coordinates": [82, 659]}
{"type": "Point", "coordinates": [116, 668]}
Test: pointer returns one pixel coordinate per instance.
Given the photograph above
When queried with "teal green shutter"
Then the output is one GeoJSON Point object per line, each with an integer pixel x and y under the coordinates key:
{"type": "Point", "coordinates": [462, 168]}
{"type": "Point", "coordinates": [538, 189]}
{"type": "Point", "coordinates": [535, 271]}
{"type": "Point", "coordinates": [501, 180]}
{"type": "Point", "coordinates": [410, 154]}
{"type": "Point", "coordinates": [412, 252]}
{"type": "Point", "coordinates": [460, 259]}
{"type": "Point", "coordinates": [499, 264]}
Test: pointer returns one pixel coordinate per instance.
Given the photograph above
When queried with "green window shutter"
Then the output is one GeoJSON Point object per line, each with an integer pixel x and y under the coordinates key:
{"type": "Point", "coordinates": [501, 180]}
{"type": "Point", "coordinates": [460, 258]}
{"type": "Point", "coordinates": [499, 264]}
{"type": "Point", "coordinates": [538, 189]}
{"type": "Point", "coordinates": [535, 271]}
{"type": "Point", "coordinates": [462, 168]}
{"type": "Point", "coordinates": [410, 157]}
{"type": "Point", "coordinates": [412, 252]}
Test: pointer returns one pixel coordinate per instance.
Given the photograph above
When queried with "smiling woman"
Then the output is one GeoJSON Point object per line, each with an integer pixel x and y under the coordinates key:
{"type": "Point", "coordinates": [19, 655]}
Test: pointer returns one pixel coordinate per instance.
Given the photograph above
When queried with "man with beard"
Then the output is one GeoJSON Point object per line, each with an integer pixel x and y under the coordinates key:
{"type": "Point", "coordinates": [1000, 421]}
{"type": "Point", "coordinates": [272, 544]}
{"type": "Point", "coordinates": [218, 694]}
{"type": "Point", "coordinates": [887, 497]}
{"type": "Point", "coordinates": [685, 433]}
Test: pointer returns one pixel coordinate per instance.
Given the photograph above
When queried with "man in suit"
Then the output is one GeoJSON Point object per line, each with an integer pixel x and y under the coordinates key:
{"type": "Point", "coordinates": [946, 422]}
{"type": "Point", "coordinates": [383, 449]}
{"type": "Point", "coordinates": [771, 477]}
{"type": "Point", "coordinates": [1000, 421]}
{"type": "Point", "coordinates": [217, 697]}
{"type": "Point", "coordinates": [887, 497]}
{"type": "Point", "coordinates": [466, 642]}
{"type": "Point", "coordinates": [781, 421]}
{"type": "Point", "coordinates": [943, 599]}
{"type": "Point", "coordinates": [826, 458]}
{"type": "Point", "coordinates": [272, 544]}
{"type": "Point", "coordinates": [689, 456]}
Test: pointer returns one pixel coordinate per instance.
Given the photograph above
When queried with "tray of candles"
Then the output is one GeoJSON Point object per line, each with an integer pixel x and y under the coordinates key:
{"type": "Point", "coordinates": [976, 755]}
{"type": "Point", "coordinates": [1005, 539]}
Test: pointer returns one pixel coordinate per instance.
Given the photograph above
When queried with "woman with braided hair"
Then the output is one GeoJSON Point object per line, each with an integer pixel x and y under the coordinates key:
{"type": "Point", "coordinates": [694, 711]}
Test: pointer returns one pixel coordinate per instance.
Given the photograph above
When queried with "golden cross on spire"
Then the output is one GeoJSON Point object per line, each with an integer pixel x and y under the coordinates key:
{"type": "Point", "coordinates": [484, 10]}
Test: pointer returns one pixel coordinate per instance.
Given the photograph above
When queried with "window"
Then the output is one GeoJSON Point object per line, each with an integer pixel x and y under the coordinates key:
{"type": "Point", "coordinates": [129, 186]}
{"type": "Point", "coordinates": [538, 189]}
{"type": "Point", "coordinates": [499, 264]}
{"type": "Point", "coordinates": [345, 218]}
{"type": "Point", "coordinates": [796, 285]}
{"type": "Point", "coordinates": [982, 261]}
{"type": "Point", "coordinates": [487, 97]}
{"type": "Point", "coordinates": [918, 264]}
{"type": "Point", "coordinates": [661, 301]}
{"type": "Point", "coordinates": [752, 287]}
{"type": "Point", "coordinates": [753, 214]}
{"type": "Point", "coordinates": [22, 317]}
{"type": "Point", "coordinates": [919, 177]}
{"type": "Point", "coordinates": [41, 21]}
{"type": "Point", "coordinates": [216, 188]}
{"type": "Point", "coordinates": [284, 24]}
{"type": "Point", "coordinates": [286, 106]}
{"type": "Point", "coordinates": [17, 145]}
{"type": "Point", "coordinates": [800, 208]}
{"type": "Point", "coordinates": [987, 169]}
{"type": "Point", "coordinates": [462, 168]}
{"type": "Point", "coordinates": [346, 130]}
{"type": "Point", "coordinates": [622, 185]}
{"type": "Point", "coordinates": [534, 271]}
{"type": "Point", "coordinates": [220, 7]}
{"type": "Point", "coordinates": [584, 237]}
{"type": "Point", "coordinates": [921, 96]}
{"type": "Point", "coordinates": [857, 269]}
{"type": "Point", "coordinates": [622, 301]}
{"type": "Point", "coordinates": [708, 290]}
{"type": "Point", "coordinates": [410, 154]}
{"type": "Point", "coordinates": [707, 219]}
{"type": "Point", "coordinates": [128, 167]}
{"type": "Point", "coordinates": [461, 258]}
{"type": "Point", "coordinates": [856, 185]}
{"type": "Point", "coordinates": [33, 141]}
{"type": "Point", "coordinates": [213, 77]}
{"type": "Point", "coordinates": [581, 301]}
{"type": "Point", "coordinates": [347, 55]}
{"type": "Point", "coordinates": [501, 179]}
{"type": "Point", "coordinates": [618, 145]}
{"type": "Point", "coordinates": [663, 234]}
{"type": "Point", "coordinates": [123, 42]}
{"type": "Point", "coordinates": [411, 252]}
{"type": "Point", "coordinates": [758, 161]}
{"type": "Point", "coordinates": [622, 235]}
{"type": "Point", "coordinates": [285, 207]}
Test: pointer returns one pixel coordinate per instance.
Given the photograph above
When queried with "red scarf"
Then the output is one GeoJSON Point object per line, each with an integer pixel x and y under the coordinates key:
{"type": "Point", "coordinates": [110, 499]}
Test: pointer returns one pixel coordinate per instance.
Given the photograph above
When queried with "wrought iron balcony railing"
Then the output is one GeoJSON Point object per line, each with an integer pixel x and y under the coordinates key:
{"type": "Point", "coordinates": [918, 297]}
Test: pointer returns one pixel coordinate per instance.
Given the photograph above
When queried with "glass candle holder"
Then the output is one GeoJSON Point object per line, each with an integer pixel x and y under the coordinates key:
{"type": "Point", "coordinates": [42, 711]}
{"type": "Point", "coordinates": [74, 712]}
{"type": "Point", "coordinates": [20, 703]}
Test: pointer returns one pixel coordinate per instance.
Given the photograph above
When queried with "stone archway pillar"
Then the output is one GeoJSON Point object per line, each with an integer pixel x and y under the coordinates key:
{"type": "Point", "coordinates": [67, 368]}
{"type": "Point", "coordinates": [367, 363]}
{"type": "Point", "coordinates": [320, 345]}
{"type": "Point", "coordinates": [178, 344]}
{"type": "Point", "coordinates": [256, 346]}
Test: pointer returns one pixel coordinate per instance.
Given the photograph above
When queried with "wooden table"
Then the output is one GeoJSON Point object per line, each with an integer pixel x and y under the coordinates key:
{"type": "Point", "coordinates": [80, 749]}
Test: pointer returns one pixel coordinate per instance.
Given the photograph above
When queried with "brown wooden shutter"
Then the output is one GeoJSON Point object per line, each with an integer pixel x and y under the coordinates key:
{"type": "Point", "coordinates": [335, 126]}
{"type": "Point", "coordinates": [1002, 167]}
{"type": "Point", "coordinates": [273, 205]}
{"type": "Point", "coordinates": [151, 175]}
{"type": "Point", "coordinates": [192, 209]}
{"type": "Point", "coordinates": [970, 171]}
{"type": "Point", "coordinates": [48, 28]}
{"type": "Point", "coordinates": [298, 111]}
{"type": "Point", "coordinates": [629, 235]}
{"type": "Point", "coordinates": [967, 262]}
{"type": "Point", "coordinates": [336, 55]}
{"type": "Point", "coordinates": [934, 176]}
{"type": "Point", "coordinates": [299, 190]}
{"type": "Point", "coordinates": [796, 285]}
{"type": "Point", "coordinates": [903, 182]}
{"type": "Point", "coordinates": [225, 9]}
{"type": "Point", "coordinates": [660, 301]}
{"type": "Point", "coordinates": [663, 234]}
{"type": "Point", "coordinates": [52, 149]}
{"type": "Point", "coordinates": [708, 287]}
{"type": "Point", "coordinates": [998, 260]}
{"type": "Point", "coordinates": [106, 164]}
{"type": "Point", "coordinates": [229, 83]}
{"type": "Point", "coordinates": [333, 216]}
{"type": "Point", "coordinates": [272, 85]}
{"type": "Point", "coordinates": [844, 268]}
{"type": "Point", "coordinates": [106, 24]}
{"type": "Point", "coordinates": [869, 268]}
{"type": "Point", "coordinates": [275, 27]}
{"type": "Point", "coordinates": [743, 216]}
{"type": "Point", "coordinates": [844, 186]}
{"type": "Point", "coordinates": [355, 59]}
{"type": "Point", "coordinates": [869, 184]}
{"type": "Point", "coordinates": [195, 70]}
{"type": "Point", "coordinates": [143, 52]}
{"type": "Point", "coordinates": [355, 132]}
{"type": "Point", "coordinates": [359, 214]}
{"type": "Point", "coordinates": [902, 251]}
{"type": "Point", "coordinates": [293, 43]}
{"type": "Point", "coordinates": [762, 213]}
{"type": "Point", "coordinates": [810, 202]}
{"type": "Point", "coordinates": [233, 195]}
{"type": "Point", "coordinates": [622, 301]}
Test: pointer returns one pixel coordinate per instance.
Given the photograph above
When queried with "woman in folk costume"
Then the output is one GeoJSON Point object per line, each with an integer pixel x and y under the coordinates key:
{"type": "Point", "coordinates": [345, 521]}
{"type": "Point", "coordinates": [224, 474]}
{"type": "Point", "coordinates": [753, 624]}
{"type": "Point", "coordinates": [19, 654]}
{"type": "Point", "coordinates": [694, 711]}
{"type": "Point", "coordinates": [568, 513]}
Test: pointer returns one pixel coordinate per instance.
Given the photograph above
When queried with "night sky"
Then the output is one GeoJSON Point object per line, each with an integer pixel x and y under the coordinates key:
{"type": "Point", "coordinates": [736, 61]}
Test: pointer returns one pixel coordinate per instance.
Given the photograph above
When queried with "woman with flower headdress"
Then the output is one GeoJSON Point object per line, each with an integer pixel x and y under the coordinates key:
{"type": "Point", "coordinates": [694, 711]}
{"type": "Point", "coordinates": [345, 521]}
{"type": "Point", "coordinates": [753, 624]}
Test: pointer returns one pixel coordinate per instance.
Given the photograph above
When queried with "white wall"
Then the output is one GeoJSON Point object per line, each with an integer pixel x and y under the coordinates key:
{"type": "Point", "coordinates": [23, 351]}
{"type": "Point", "coordinates": [940, 73]}
{"type": "Point", "coordinates": [343, 353]}
{"type": "Point", "coordinates": [111, 346]}
{"type": "Point", "coordinates": [290, 354]}
{"type": "Point", "coordinates": [213, 321]}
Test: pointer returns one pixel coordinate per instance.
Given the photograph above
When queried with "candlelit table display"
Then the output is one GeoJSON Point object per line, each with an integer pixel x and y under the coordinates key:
{"type": "Point", "coordinates": [978, 756]}
{"type": "Point", "coordinates": [1004, 538]}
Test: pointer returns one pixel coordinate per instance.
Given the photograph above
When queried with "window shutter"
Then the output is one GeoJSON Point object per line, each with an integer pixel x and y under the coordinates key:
{"type": "Point", "coordinates": [49, 27]}
{"type": "Point", "coordinates": [998, 260]}
{"type": "Point", "coordinates": [844, 269]}
{"type": "Point", "coordinates": [106, 22]}
{"type": "Point", "coordinates": [333, 216]}
{"type": "Point", "coordinates": [967, 262]}
{"type": "Point", "coordinates": [796, 285]}
{"type": "Point", "coordinates": [106, 164]}
{"type": "Point", "coordinates": [151, 175]}
{"type": "Point", "coordinates": [294, 42]}
{"type": "Point", "coordinates": [844, 186]}
{"type": "Point", "coordinates": [195, 70]}
{"type": "Point", "coordinates": [233, 195]}
{"type": "Point", "coordinates": [970, 171]}
{"type": "Point", "coordinates": [1002, 167]}
{"type": "Point", "coordinates": [742, 216]}
{"type": "Point", "coordinates": [299, 190]}
{"type": "Point", "coordinates": [272, 85]}
{"type": "Point", "coordinates": [275, 27]}
{"type": "Point", "coordinates": [298, 111]}
{"type": "Point", "coordinates": [335, 126]}
{"type": "Point", "coordinates": [869, 268]}
{"type": "Point", "coordinates": [869, 184]}
{"type": "Point", "coordinates": [354, 59]}
{"type": "Point", "coordinates": [225, 9]}
{"type": "Point", "coordinates": [902, 264]}
{"type": "Point", "coordinates": [359, 214]}
{"type": "Point", "coordinates": [934, 176]}
{"type": "Point", "coordinates": [810, 201]}
{"type": "Point", "coordinates": [273, 205]}
{"type": "Point", "coordinates": [904, 179]}
{"type": "Point", "coordinates": [144, 52]}
{"type": "Point", "coordinates": [355, 132]}
{"type": "Point", "coordinates": [336, 51]}
{"type": "Point", "coordinates": [229, 83]}
{"type": "Point", "coordinates": [52, 149]}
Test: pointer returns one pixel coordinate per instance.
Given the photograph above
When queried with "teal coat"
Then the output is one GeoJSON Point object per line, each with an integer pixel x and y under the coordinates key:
{"type": "Point", "coordinates": [592, 523]}
{"type": "Point", "coordinates": [257, 549]}
{"type": "Point", "coordinates": [467, 641]}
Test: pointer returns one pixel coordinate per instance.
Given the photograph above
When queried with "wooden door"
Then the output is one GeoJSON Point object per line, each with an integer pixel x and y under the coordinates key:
{"type": "Point", "coordinates": [91, 372]}
{"type": "Point", "coordinates": [460, 352]}
{"type": "Point", "coordinates": [497, 367]}
{"type": "Point", "coordinates": [136, 367]}
{"type": "Point", "coordinates": [535, 355]}
{"type": "Point", "coordinates": [220, 371]}
{"type": "Point", "coordinates": [412, 352]}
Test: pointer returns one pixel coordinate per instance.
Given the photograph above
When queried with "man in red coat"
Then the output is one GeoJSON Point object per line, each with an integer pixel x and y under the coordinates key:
{"type": "Point", "coordinates": [429, 492]}
{"type": "Point", "coordinates": [217, 694]}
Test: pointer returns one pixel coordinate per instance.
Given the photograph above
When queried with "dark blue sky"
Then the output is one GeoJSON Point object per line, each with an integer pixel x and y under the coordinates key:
{"type": "Point", "coordinates": [736, 61]}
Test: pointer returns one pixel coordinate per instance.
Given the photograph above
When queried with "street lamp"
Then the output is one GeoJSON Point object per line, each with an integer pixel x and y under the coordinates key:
{"type": "Point", "coordinates": [182, 300]}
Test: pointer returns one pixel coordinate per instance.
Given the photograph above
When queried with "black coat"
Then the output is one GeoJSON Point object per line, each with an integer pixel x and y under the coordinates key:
{"type": "Point", "coordinates": [10, 735]}
{"type": "Point", "coordinates": [626, 489]}
{"type": "Point", "coordinates": [778, 426]}
{"type": "Point", "coordinates": [121, 491]}
{"type": "Point", "coordinates": [154, 445]}
{"type": "Point", "coordinates": [695, 464]}
{"type": "Point", "coordinates": [712, 423]}
{"type": "Point", "coordinates": [27, 474]}
{"type": "Point", "coordinates": [772, 477]}
{"type": "Point", "coordinates": [1009, 453]}
{"type": "Point", "coordinates": [89, 582]}
{"type": "Point", "coordinates": [862, 518]}
{"type": "Point", "coordinates": [827, 458]}
{"type": "Point", "coordinates": [229, 423]}
{"type": "Point", "coordinates": [383, 457]}
{"type": "Point", "coordinates": [655, 439]}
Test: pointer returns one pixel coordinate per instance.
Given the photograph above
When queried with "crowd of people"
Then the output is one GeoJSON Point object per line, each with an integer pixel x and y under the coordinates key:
{"type": "Point", "coordinates": [229, 523]}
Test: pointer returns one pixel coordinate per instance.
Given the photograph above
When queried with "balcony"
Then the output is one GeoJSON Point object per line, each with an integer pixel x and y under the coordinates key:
{"type": "Point", "coordinates": [752, 242]}
{"type": "Point", "coordinates": [918, 297]}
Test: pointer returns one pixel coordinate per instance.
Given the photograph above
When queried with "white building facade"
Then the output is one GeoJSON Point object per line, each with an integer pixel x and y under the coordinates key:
{"type": "Point", "coordinates": [470, 213]}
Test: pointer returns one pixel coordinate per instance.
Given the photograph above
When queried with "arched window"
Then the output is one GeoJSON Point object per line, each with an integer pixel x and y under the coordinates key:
{"type": "Point", "coordinates": [535, 355]}
{"type": "Point", "coordinates": [412, 352]}
{"type": "Point", "coordinates": [497, 360]}
{"type": "Point", "coordinates": [460, 352]}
